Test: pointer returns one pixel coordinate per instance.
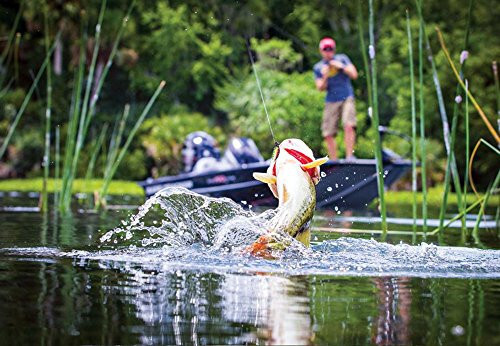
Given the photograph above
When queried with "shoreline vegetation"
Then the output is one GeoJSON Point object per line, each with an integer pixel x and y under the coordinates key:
{"type": "Point", "coordinates": [131, 188]}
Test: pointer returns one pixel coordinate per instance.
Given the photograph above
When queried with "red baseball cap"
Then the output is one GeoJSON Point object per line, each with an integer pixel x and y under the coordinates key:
{"type": "Point", "coordinates": [326, 42]}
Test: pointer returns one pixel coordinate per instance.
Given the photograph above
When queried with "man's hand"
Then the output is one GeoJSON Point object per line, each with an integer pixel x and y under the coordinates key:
{"type": "Point", "coordinates": [337, 64]}
{"type": "Point", "coordinates": [325, 70]}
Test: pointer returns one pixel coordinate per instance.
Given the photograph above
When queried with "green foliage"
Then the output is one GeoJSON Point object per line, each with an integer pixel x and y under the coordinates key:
{"type": "Point", "coordinates": [163, 137]}
{"type": "Point", "coordinates": [295, 108]}
{"type": "Point", "coordinates": [27, 156]}
{"type": "Point", "coordinates": [188, 54]}
{"type": "Point", "coordinates": [199, 49]}
{"type": "Point", "coordinates": [275, 54]}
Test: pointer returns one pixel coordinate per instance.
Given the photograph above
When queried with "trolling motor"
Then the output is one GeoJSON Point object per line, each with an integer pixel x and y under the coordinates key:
{"type": "Point", "coordinates": [201, 154]}
{"type": "Point", "coordinates": [198, 146]}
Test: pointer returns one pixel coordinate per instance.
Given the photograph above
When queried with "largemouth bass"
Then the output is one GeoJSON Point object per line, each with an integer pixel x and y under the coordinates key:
{"type": "Point", "coordinates": [292, 177]}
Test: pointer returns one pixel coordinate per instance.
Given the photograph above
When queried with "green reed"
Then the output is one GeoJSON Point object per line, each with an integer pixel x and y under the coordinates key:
{"type": "Point", "coordinates": [57, 166]}
{"type": "Point", "coordinates": [451, 162]}
{"type": "Point", "coordinates": [80, 137]}
{"type": "Point", "coordinates": [448, 141]}
{"type": "Point", "coordinates": [378, 146]}
{"type": "Point", "coordinates": [116, 139]}
{"type": "Point", "coordinates": [48, 109]}
{"type": "Point", "coordinates": [26, 100]}
{"type": "Point", "coordinates": [84, 111]}
{"type": "Point", "coordinates": [108, 64]}
{"type": "Point", "coordinates": [364, 55]}
{"type": "Point", "coordinates": [492, 188]}
{"type": "Point", "coordinates": [12, 32]}
{"type": "Point", "coordinates": [74, 115]}
{"type": "Point", "coordinates": [485, 120]}
{"type": "Point", "coordinates": [16, 57]}
{"type": "Point", "coordinates": [96, 148]}
{"type": "Point", "coordinates": [467, 145]}
{"type": "Point", "coordinates": [423, 154]}
{"type": "Point", "coordinates": [413, 129]}
{"type": "Point", "coordinates": [107, 179]}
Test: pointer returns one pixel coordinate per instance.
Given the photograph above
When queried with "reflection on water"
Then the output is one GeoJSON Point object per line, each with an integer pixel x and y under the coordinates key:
{"type": "Point", "coordinates": [393, 322]}
{"type": "Point", "coordinates": [98, 302]}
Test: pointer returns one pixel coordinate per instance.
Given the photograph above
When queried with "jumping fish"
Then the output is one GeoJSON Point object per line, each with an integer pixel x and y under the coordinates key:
{"type": "Point", "coordinates": [291, 176]}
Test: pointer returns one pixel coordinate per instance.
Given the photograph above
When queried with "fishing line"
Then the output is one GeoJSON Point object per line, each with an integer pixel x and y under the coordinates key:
{"type": "Point", "coordinates": [261, 95]}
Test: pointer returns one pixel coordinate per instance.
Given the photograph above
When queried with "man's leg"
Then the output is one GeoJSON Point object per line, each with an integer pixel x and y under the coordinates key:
{"type": "Point", "coordinates": [331, 145]}
{"type": "Point", "coordinates": [349, 121]}
{"type": "Point", "coordinates": [350, 139]}
{"type": "Point", "coordinates": [329, 126]}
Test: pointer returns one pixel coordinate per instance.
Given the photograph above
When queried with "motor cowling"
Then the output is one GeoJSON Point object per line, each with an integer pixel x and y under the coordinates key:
{"type": "Point", "coordinates": [242, 150]}
{"type": "Point", "coordinates": [198, 145]}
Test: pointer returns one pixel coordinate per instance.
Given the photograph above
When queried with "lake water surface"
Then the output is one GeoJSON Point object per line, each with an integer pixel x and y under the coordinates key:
{"type": "Point", "coordinates": [174, 273]}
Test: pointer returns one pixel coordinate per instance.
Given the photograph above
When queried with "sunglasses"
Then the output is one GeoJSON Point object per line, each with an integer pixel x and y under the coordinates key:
{"type": "Point", "coordinates": [327, 49]}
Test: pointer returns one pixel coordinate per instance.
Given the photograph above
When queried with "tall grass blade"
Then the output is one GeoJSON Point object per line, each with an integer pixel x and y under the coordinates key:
{"type": "Point", "coordinates": [57, 167]}
{"type": "Point", "coordinates": [473, 155]}
{"type": "Point", "coordinates": [48, 110]}
{"type": "Point", "coordinates": [467, 145]}
{"type": "Point", "coordinates": [450, 161]}
{"type": "Point", "coordinates": [83, 115]}
{"type": "Point", "coordinates": [378, 147]}
{"type": "Point", "coordinates": [468, 93]}
{"type": "Point", "coordinates": [497, 91]}
{"type": "Point", "coordinates": [364, 55]}
{"type": "Point", "coordinates": [107, 179]}
{"type": "Point", "coordinates": [451, 165]}
{"type": "Point", "coordinates": [26, 101]}
{"type": "Point", "coordinates": [413, 130]}
{"type": "Point", "coordinates": [12, 32]}
{"type": "Point", "coordinates": [95, 152]}
{"type": "Point", "coordinates": [74, 115]}
{"type": "Point", "coordinates": [423, 153]}
{"type": "Point", "coordinates": [491, 189]}
{"type": "Point", "coordinates": [16, 58]}
{"type": "Point", "coordinates": [458, 216]}
{"type": "Point", "coordinates": [116, 139]}
{"type": "Point", "coordinates": [109, 62]}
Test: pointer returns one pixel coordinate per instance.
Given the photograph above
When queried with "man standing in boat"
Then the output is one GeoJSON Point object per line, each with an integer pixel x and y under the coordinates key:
{"type": "Point", "coordinates": [333, 74]}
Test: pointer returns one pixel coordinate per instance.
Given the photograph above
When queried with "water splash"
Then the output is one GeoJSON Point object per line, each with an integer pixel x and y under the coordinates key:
{"type": "Point", "coordinates": [178, 229]}
{"type": "Point", "coordinates": [177, 217]}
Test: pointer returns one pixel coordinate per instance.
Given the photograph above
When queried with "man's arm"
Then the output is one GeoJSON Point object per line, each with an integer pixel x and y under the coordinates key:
{"type": "Point", "coordinates": [322, 82]}
{"type": "Point", "coordinates": [351, 72]}
{"type": "Point", "coordinates": [349, 69]}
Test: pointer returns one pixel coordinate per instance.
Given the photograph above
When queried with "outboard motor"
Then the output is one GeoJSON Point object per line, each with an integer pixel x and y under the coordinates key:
{"type": "Point", "coordinates": [240, 151]}
{"type": "Point", "coordinates": [197, 146]}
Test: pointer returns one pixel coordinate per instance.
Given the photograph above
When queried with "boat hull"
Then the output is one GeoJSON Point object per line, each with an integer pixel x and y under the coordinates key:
{"type": "Point", "coordinates": [345, 185]}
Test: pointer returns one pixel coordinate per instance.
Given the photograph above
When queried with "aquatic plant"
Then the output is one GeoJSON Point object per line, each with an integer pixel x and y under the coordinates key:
{"type": "Point", "coordinates": [48, 110]}
{"type": "Point", "coordinates": [422, 113]}
{"type": "Point", "coordinates": [450, 162]}
{"type": "Point", "coordinates": [26, 100]}
{"type": "Point", "coordinates": [109, 174]}
{"type": "Point", "coordinates": [378, 145]}
{"type": "Point", "coordinates": [80, 119]}
{"type": "Point", "coordinates": [413, 130]}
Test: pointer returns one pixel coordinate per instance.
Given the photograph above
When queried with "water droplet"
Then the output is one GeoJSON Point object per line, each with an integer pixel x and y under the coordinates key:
{"type": "Point", "coordinates": [329, 189]}
{"type": "Point", "coordinates": [323, 174]}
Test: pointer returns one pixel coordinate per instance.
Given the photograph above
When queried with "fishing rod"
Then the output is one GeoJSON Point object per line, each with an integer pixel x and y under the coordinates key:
{"type": "Point", "coordinates": [276, 143]}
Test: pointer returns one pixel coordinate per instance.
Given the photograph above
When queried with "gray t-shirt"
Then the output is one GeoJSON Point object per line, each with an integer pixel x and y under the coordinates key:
{"type": "Point", "coordinates": [339, 84]}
